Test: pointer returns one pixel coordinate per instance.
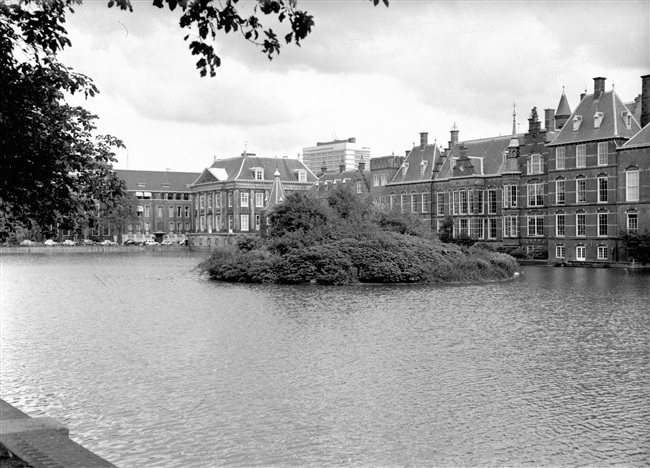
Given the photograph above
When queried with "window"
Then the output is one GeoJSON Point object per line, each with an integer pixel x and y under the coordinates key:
{"type": "Point", "coordinates": [560, 225]}
{"type": "Point", "coordinates": [602, 153]}
{"type": "Point", "coordinates": [171, 211]}
{"type": "Point", "coordinates": [147, 227]}
{"type": "Point", "coordinates": [455, 207]}
{"type": "Point", "coordinates": [159, 211]}
{"type": "Point", "coordinates": [602, 224]}
{"type": "Point", "coordinates": [581, 155]}
{"type": "Point", "coordinates": [258, 220]}
{"type": "Point", "coordinates": [202, 223]}
{"type": "Point", "coordinates": [560, 158]}
{"type": "Point", "coordinates": [463, 202]}
{"type": "Point", "coordinates": [425, 202]}
{"type": "Point", "coordinates": [375, 180]}
{"type": "Point", "coordinates": [536, 225]}
{"type": "Point", "coordinates": [535, 164]}
{"type": "Point", "coordinates": [172, 224]}
{"type": "Point", "coordinates": [560, 191]}
{"type": "Point", "coordinates": [423, 166]}
{"type": "Point", "coordinates": [492, 228]}
{"type": "Point", "coordinates": [209, 223]}
{"type": "Point", "coordinates": [138, 228]}
{"type": "Point", "coordinates": [581, 190]}
{"type": "Point", "coordinates": [602, 189]}
{"type": "Point", "coordinates": [405, 167]}
{"type": "Point", "coordinates": [602, 252]}
{"type": "Point", "coordinates": [492, 201]}
{"type": "Point", "coordinates": [477, 228]}
{"type": "Point", "coordinates": [217, 222]}
{"type": "Point", "coordinates": [230, 223]}
{"type": "Point", "coordinates": [581, 253]}
{"type": "Point", "coordinates": [209, 197]}
{"type": "Point", "coordinates": [560, 251]}
{"type": "Point", "coordinates": [147, 211]}
{"type": "Point", "coordinates": [581, 224]}
{"type": "Point", "coordinates": [632, 185]}
{"type": "Point", "coordinates": [510, 226]}
{"type": "Point", "coordinates": [480, 201]}
{"type": "Point", "coordinates": [598, 119]}
{"type": "Point", "coordinates": [440, 205]}
{"type": "Point", "coordinates": [217, 200]}
{"type": "Point", "coordinates": [243, 196]}
{"type": "Point", "coordinates": [302, 176]}
{"type": "Point", "coordinates": [391, 199]}
{"type": "Point", "coordinates": [384, 179]}
{"type": "Point", "coordinates": [536, 194]}
{"type": "Point", "coordinates": [259, 174]}
{"type": "Point", "coordinates": [464, 227]}
{"type": "Point", "coordinates": [187, 226]}
{"type": "Point", "coordinates": [632, 222]}
{"type": "Point", "coordinates": [359, 186]}
{"type": "Point", "coordinates": [403, 202]}
{"type": "Point", "coordinates": [229, 199]}
{"type": "Point", "coordinates": [187, 211]}
{"type": "Point", "coordinates": [244, 222]}
{"type": "Point", "coordinates": [179, 227]}
{"type": "Point", "coordinates": [259, 199]}
{"type": "Point", "coordinates": [577, 120]}
{"type": "Point", "coordinates": [415, 202]}
{"type": "Point", "coordinates": [510, 193]}
{"type": "Point", "coordinates": [202, 201]}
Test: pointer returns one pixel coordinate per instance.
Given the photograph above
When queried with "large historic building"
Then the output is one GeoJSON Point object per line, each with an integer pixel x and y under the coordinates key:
{"type": "Point", "coordinates": [230, 196]}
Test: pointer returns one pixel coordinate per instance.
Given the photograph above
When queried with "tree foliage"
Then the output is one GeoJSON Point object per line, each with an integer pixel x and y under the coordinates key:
{"type": "Point", "coordinates": [636, 245]}
{"type": "Point", "coordinates": [207, 18]}
{"type": "Point", "coordinates": [54, 168]}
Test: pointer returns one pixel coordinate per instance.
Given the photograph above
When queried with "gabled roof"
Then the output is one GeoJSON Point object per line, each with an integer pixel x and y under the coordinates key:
{"type": "Point", "coordinates": [168, 181]}
{"type": "Point", "coordinates": [640, 140]}
{"type": "Point", "coordinates": [612, 125]}
{"type": "Point", "coordinates": [419, 164]}
{"type": "Point", "coordinates": [243, 168]}
{"type": "Point", "coordinates": [485, 154]}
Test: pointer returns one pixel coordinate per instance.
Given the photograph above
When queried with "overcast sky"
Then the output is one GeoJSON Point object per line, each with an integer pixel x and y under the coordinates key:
{"type": "Point", "coordinates": [382, 75]}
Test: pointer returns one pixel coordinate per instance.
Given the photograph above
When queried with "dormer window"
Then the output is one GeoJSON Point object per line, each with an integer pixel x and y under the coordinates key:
{"type": "Point", "coordinates": [627, 118]}
{"type": "Point", "coordinates": [142, 185]}
{"type": "Point", "coordinates": [405, 167]}
{"type": "Point", "coordinates": [577, 120]}
{"type": "Point", "coordinates": [258, 173]}
{"type": "Point", "coordinates": [300, 175]}
{"type": "Point", "coordinates": [598, 119]}
{"type": "Point", "coordinates": [423, 167]}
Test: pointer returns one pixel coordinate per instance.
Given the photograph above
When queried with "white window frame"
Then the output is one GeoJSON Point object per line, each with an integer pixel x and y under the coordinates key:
{"type": "Point", "coordinates": [560, 191]}
{"type": "Point", "coordinates": [535, 163]}
{"type": "Point", "coordinates": [359, 187]}
{"type": "Point", "coordinates": [535, 225]}
{"type": "Point", "coordinates": [244, 199]}
{"type": "Point", "coordinates": [384, 179]}
{"type": "Point", "coordinates": [581, 253]}
{"type": "Point", "coordinates": [560, 251]}
{"type": "Point", "coordinates": [603, 252]}
{"type": "Point", "coordinates": [581, 224]}
{"type": "Point", "coordinates": [560, 225]}
{"type": "Point", "coordinates": [602, 189]}
{"type": "Point", "coordinates": [560, 158]}
{"type": "Point", "coordinates": [581, 156]}
{"type": "Point", "coordinates": [581, 193]}
{"type": "Point", "coordinates": [602, 224]}
{"type": "Point", "coordinates": [244, 222]}
{"type": "Point", "coordinates": [632, 185]}
{"type": "Point", "coordinates": [492, 201]}
{"type": "Point", "coordinates": [259, 199]}
{"type": "Point", "coordinates": [602, 153]}
{"type": "Point", "coordinates": [440, 204]}
{"type": "Point", "coordinates": [535, 193]}
{"type": "Point", "coordinates": [425, 202]}
{"type": "Point", "coordinates": [633, 222]}
{"type": "Point", "coordinates": [375, 180]}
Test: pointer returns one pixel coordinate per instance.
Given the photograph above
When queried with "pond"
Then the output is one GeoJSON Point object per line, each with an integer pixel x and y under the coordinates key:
{"type": "Point", "coordinates": [150, 364]}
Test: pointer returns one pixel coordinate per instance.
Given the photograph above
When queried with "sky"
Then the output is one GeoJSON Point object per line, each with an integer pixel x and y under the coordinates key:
{"type": "Point", "coordinates": [381, 75]}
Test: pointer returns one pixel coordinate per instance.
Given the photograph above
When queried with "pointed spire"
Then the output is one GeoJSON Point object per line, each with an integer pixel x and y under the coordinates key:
{"type": "Point", "coordinates": [514, 141]}
{"type": "Point", "coordinates": [277, 191]}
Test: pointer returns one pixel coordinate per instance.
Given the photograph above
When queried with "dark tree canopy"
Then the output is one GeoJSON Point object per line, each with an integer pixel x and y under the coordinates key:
{"type": "Point", "coordinates": [54, 169]}
{"type": "Point", "coordinates": [210, 17]}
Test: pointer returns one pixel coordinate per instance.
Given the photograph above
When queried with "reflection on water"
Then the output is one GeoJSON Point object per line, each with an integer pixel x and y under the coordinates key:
{"type": "Point", "coordinates": [151, 365]}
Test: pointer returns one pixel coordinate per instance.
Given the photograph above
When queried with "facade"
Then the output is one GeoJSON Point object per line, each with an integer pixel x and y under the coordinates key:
{"type": "Point", "coordinates": [358, 178]}
{"type": "Point", "coordinates": [163, 206]}
{"type": "Point", "coordinates": [229, 197]}
{"type": "Point", "coordinates": [583, 179]}
{"type": "Point", "coordinates": [331, 154]}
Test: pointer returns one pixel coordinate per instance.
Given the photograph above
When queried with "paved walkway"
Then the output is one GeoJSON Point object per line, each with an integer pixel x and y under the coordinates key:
{"type": "Point", "coordinates": [43, 442]}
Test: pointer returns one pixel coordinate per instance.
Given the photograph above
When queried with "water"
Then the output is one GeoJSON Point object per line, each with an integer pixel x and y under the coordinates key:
{"type": "Point", "coordinates": [151, 365]}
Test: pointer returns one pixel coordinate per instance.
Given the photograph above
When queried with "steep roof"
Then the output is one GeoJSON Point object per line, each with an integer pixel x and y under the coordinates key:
{"type": "Point", "coordinates": [486, 155]}
{"type": "Point", "coordinates": [243, 168]}
{"type": "Point", "coordinates": [418, 164]}
{"type": "Point", "coordinates": [610, 108]}
{"type": "Point", "coordinates": [167, 181]}
{"type": "Point", "coordinates": [277, 193]}
{"type": "Point", "coordinates": [640, 140]}
{"type": "Point", "coordinates": [563, 109]}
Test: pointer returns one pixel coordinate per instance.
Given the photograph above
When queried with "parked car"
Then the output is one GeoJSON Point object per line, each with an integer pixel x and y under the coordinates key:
{"type": "Point", "coordinates": [27, 243]}
{"type": "Point", "coordinates": [88, 242]}
{"type": "Point", "coordinates": [129, 242]}
{"type": "Point", "coordinates": [151, 242]}
{"type": "Point", "coordinates": [69, 243]}
{"type": "Point", "coordinates": [167, 242]}
{"type": "Point", "coordinates": [50, 242]}
{"type": "Point", "coordinates": [107, 242]}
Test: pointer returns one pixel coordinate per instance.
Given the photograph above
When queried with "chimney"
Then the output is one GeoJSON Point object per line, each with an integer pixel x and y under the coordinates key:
{"type": "Point", "coordinates": [454, 136]}
{"type": "Point", "coordinates": [342, 166]}
{"type": "Point", "coordinates": [352, 140]}
{"type": "Point", "coordinates": [645, 100]}
{"type": "Point", "coordinates": [599, 87]}
{"type": "Point", "coordinates": [549, 119]}
{"type": "Point", "coordinates": [424, 137]}
{"type": "Point", "coordinates": [362, 165]}
{"type": "Point", "coordinates": [323, 168]}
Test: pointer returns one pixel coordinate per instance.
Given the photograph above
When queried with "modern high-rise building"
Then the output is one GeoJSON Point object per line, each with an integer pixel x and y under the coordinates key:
{"type": "Point", "coordinates": [331, 155]}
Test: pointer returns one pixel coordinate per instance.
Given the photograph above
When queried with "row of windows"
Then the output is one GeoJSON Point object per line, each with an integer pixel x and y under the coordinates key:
{"type": "Point", "coordinates": [162, 196]}
{"type": "Point", "coordinates": [376, 180]}
{"type": "Point", "coordinates": [602, 252]}
{"type": "Point", "coordinates": [414, 202]}
{"type": "Point", "coordinates": [478, 228]}
{"type": "Point", "coordinates": [146, 226]}
{"type": "Point", "coordinates": [213, 223]}
{"type": "Point", "coordinates": [214, 199]}
{"type": "Point", "coordinates": [178, 210]}
{"type": "Point", "coordinates": [581, 156]}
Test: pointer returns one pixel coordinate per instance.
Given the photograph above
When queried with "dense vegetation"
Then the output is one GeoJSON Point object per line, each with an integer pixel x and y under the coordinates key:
{"type": "Point", "coordinates": [637, 246]}
{"type": "Point", "coordinates": [346, 239]}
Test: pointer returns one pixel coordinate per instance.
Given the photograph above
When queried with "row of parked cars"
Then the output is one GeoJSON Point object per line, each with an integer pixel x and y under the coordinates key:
{"type": "Point", "coordinates": [106, 242]}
